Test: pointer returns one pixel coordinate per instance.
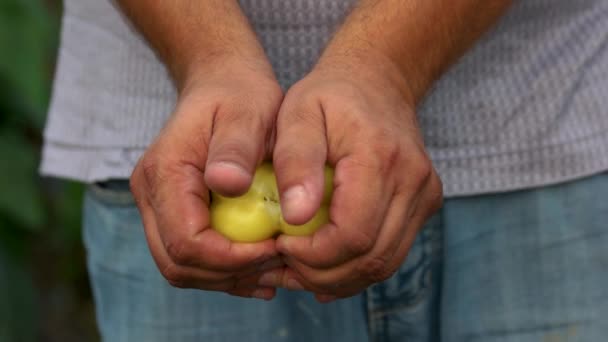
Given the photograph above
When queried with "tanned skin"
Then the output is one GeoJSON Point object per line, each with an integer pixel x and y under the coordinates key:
{"type": "Point", "coordinates": [355, 110]}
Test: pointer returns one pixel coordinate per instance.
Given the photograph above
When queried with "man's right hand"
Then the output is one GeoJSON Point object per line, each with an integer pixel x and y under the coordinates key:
{"type": "Point", "coordinates": [222, 128]}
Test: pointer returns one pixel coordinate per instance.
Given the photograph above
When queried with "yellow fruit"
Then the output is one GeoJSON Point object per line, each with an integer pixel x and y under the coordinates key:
{"type": "Point", "coordinates": [256, 215]}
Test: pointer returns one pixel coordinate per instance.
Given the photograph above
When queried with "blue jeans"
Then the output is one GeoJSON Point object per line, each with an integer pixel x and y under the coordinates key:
{"type": "Point", "coordinates": [515, 267]}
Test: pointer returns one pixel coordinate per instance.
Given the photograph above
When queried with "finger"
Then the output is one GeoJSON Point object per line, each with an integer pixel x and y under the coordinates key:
{"type": "Point", "coordinates": [353, 277]}
{"type": "Point", "coordinates": [365, 178]}
{"type": "Point", "coordinates": [238, 144]}
{"type": "Point", "coordinates": [191, 277]}
{"type": "Point", "coordinates": [358, 207]}
{"type": "Point", "coordinates": [295, 282]}
{"type": "Point", "coordinates": [256, 276]}
{"type": "Point", "coordinates": [429, 203]}
{"type": "Point", "coordinates": [386, 257]}
{"type": "Point", "coordinates": [299, 158]}
{"type": "Point", "coordinates": [372, 267]}
{"type": "Point", "coordinates": [179, 199]}
{"type": "Point", "coordinates": [275, 262]}
{"type": "Point", "coordinates": [176, 275]}
{"type": "Point", "coordinates": [261, 285]}
{"type": "Point", "coordinates": [264, 293]}
{"type": "Point", "coordinates": [246, 281]}
{"type": "Point", "coordinates": [177, 225]}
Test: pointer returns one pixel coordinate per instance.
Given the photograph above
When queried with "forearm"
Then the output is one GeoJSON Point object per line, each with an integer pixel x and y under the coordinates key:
{"type": "Point", "coordinates": [420, 37]}
{"type": "Point", "coordinates": [187, 34]}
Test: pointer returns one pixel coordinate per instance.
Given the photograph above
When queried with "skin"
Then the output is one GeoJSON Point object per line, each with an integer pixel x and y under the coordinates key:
{"type": "Point", "coordinates": [221, 129]}
{"type": "Point", "coordinates": [354, 111]}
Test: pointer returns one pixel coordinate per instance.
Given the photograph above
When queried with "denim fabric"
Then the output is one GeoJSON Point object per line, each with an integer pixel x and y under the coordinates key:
{"type": "Point", "coordinates": [515, 267]}
{"type": "Point", "coordinates": [135, 304]}
{"type": "Point", "coordinates": [527, 266]}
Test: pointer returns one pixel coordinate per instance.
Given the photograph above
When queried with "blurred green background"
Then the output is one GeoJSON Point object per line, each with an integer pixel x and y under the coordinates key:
{"type": "Point", "coordinates": [44, 293]}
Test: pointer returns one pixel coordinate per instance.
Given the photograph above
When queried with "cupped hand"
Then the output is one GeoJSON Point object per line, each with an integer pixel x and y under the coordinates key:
{"type": "Point", "coordinates": [357, 116]}
{"type": "Point", "coordinates": [221, 129]}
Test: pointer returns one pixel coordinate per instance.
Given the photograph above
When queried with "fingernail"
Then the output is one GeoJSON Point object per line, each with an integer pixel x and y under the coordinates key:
{"type": "Point", "coordinates": [294, 198]}
{"type": "Point", "coordinates": [293, 284]}
{"type": "Point", "coordinates": [261, 294]}
{"type": "Point", "coordinates": [268, 279]}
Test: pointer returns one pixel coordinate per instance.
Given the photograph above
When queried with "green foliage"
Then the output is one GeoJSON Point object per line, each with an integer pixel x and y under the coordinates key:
{"type": "Point", "coordinates": [21, 198]}
{"type": "Point", "coordinates": [28, 36]}
{"type": "Point", "coordinates": [27, 40]}
{"type": "Point", "coordinates": [40, 249]}
{"type": "Point", "coordinates": [17, 295]}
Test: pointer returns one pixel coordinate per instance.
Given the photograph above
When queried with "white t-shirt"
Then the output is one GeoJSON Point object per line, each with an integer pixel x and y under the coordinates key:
{"type": "Point", "coordinates": [527, 106]}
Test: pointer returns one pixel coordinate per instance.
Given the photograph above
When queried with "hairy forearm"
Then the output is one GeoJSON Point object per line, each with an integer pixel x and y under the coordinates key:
{"type": "Point", "coordinates": [420, 37]}
{"type": "Point", "coordinates": [187, 34]}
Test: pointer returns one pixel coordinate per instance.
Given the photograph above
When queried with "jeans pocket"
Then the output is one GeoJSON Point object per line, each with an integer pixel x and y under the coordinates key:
{"type": "Point", "coordinates": [112, 230]}
{"type": "Point", "coordinates": [113, 192]}
{"type": "Point", "coordinates": [417, 277]}
{"type": "Point", "coordinates": [405, 306]}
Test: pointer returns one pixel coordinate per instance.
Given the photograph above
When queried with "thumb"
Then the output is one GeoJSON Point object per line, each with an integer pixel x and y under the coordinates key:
{"type": "Point", "coordinates": [299, 159]}
{"type": "Point", "coordinates": [238, 143]}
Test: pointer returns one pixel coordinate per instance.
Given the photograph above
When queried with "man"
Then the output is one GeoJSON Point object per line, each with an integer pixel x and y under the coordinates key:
{"type": "Point", "coordinates": [378, 101]}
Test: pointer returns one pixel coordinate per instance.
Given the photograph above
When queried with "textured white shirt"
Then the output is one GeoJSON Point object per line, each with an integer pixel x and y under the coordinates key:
{"type": "Point", "coordinates": [527, 106]}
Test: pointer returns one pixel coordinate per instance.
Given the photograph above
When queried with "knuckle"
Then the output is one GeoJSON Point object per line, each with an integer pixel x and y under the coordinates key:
{"type": "Point", "coordinates": [150, 170]}
{"type": "Point", "coordinates": [134, 187]}
{"type": "Point", "coordinates": [421, 168]}
{"type": "Point", "coordinates": [436, 194]}
{"type": "Point", "coordinates": [375, 270]}
{"type": "Point", "coordinates": [133, 184]}
{"type": "Point", "coordinates": [178, 252]}
{"type": "Point", "coordinates": [389, 154]}
{"type": "Point", "coordinates": [384, 151]}
{"type": "Point", "coordinates": [172, 274]}
{"type": "Point", "coordinates": [177, 284]}
{"type": "Point", "coordinates": [359, 243]}
{"type": "Point", "coordinates": [436, 204]}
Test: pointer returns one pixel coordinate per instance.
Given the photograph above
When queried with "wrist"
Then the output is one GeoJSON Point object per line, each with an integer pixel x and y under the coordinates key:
{"type": "Point", "coordinates": [420, 38]}
{"type": "Point", "coordinates": [190, 35]}
{"type": "Point", "coordinates": [218, 68]}
{"type": "Point", "coordinates": [369, 65]}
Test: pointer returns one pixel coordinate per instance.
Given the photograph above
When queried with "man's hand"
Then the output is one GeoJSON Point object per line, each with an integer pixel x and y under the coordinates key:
{"type": "Point", "coordinates": [356, 110]}
{"type": "Point", "coordinates": [359, 119]}
{"type": "Point", "coordinates": [221, 129]}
